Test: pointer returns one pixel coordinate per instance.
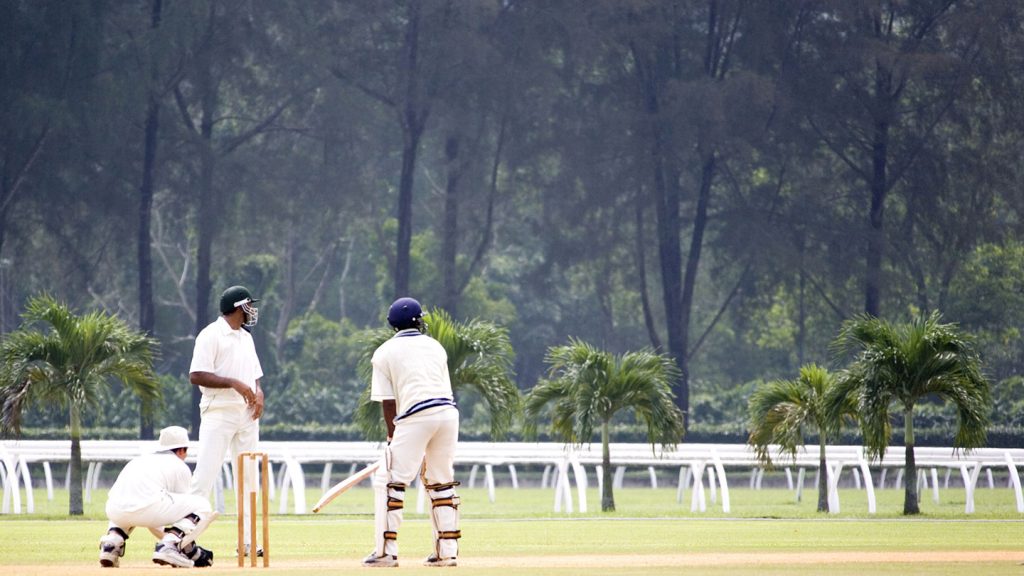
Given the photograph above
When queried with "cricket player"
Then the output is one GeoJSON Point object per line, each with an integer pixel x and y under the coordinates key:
{"type": "Point", "coordinates": [410, 380]}
{"type": "Point", "coordinates": [227, 371]}
{"type": "Point", "coordinates": [152, 491]}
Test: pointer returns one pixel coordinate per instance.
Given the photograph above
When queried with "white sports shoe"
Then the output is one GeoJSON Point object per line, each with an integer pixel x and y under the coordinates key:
{"type": "Point", "coordinates": [169, 555]}
{"type": "Point", "coordinates": [111, 550]}
{"type": "Point", "coordinates": [433, 560]}
{"type": "Point", "coordinates": [385, 561]}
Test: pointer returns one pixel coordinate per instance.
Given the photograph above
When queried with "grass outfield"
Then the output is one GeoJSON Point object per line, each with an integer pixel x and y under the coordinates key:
{"type": "Point", "coordinates": [766, 533]}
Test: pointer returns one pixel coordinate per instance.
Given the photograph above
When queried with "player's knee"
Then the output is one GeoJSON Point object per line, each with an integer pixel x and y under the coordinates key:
{"type": "Point", "coordinates": [396, 495]}
{"type": "Point", "coordinates": [184, 526]}
{"type": "Point", "coordinates": [443, 494]}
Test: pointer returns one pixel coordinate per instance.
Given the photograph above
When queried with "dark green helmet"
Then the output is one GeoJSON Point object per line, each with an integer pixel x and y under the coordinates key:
{"type": "Point", "coordinates": [239, 296]}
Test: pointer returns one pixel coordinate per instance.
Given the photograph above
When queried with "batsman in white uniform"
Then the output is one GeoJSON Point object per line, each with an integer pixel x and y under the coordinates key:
{"type": "Point", "coordinates": [227, 370]}
{"type": "Point", "coordinates": [152, 491]}
{"type": "Point", "coordinates": [410, 379]}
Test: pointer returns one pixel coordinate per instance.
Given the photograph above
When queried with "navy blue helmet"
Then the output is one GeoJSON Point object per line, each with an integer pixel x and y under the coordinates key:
{"type": "Point", "coordinates": [404, 313]}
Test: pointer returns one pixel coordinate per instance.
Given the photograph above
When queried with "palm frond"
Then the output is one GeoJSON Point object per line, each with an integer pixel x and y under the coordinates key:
{"type": "Point", "coordinates": [898, 365]}
{"type": "Point", "coordinates": [587, 386]}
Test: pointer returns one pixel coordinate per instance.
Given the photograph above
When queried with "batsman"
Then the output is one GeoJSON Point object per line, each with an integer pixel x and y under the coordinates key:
{"type": "Point", "coordinates": [411, 381]}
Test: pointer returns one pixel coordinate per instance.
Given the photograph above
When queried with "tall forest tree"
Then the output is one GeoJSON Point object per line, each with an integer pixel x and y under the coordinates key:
{"type": "Point", "coordinates": [224, 44]}
{"type": "Point", "coordinates": [37, 81]}
{"type": "Point", "coordinates": [409, 62]}
{"type": "Point", "coordinates": [878, 79]}
{"type": "Point", "coordinates": [684, 60]}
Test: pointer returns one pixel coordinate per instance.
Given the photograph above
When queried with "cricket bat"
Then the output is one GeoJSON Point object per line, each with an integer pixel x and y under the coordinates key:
{"type": "Point", "coordinates": [343, 486]}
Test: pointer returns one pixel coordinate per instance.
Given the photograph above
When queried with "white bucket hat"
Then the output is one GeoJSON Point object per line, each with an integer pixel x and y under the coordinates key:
{"type": "Point", "coordinates": [173, 437]}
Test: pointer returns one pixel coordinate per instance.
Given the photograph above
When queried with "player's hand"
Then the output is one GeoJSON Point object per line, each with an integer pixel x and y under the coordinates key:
{"type": "Point", "coordinates": [257, 404]}
{"type": "Point", "coordinates": [244, 391]}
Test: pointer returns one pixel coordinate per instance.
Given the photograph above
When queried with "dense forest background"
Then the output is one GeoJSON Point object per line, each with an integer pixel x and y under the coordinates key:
{"type": "Point", "coordinates": [725, 181]}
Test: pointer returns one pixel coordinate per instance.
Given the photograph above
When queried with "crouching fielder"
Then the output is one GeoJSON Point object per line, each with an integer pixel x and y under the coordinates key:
{"type": "Point", "coordinates": [410, 379]}
{"type": "Point", "coordinates": [152, 491]}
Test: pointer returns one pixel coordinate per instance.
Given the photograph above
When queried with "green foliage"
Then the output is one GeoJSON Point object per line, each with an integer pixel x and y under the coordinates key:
{"type": "Point", "coordinates": [580, 228]}
{"type": "Point", "coordinates": [713, 404]}
{"type": "Point", "coordinates": [61, 359]}
{"type": "Point", "coordinates": [587, 387]}
{"type": "Point", "coordinates": [897, 367]}
{"type": "Point", "coordinates": [319, 379]}
{"type": "Point", "coordinates": [987, 297]}
{"type": "Point", "coordinates": [781, 410]}
{"type": "Point", "coordinates": [58, 358]}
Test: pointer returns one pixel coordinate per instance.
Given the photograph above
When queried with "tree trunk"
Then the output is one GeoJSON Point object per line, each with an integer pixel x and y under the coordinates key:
{"type": "Point", "coordinates": [801, 323]}
{"type": "Point", "coordinates": [75, 478]}
{"type": "Point", "coordinates": [10, 186]}
{"type": "Point", "coordinates": [910, 501]}
{"type": "Point", "coordinates": [641, 273]}
{"type": "Point", "coordinates": [147, 309]}
{"type": "Point", "coordinates": [879, 188]}
{"type": "Point", "coordinates": [207, 209]}
{"type": "Point", "coordinates": [607, 497]}
{"type": "Point", "coordinates": [413, 119]}
{"type": "Point", "coordinates": [700, 222]}
{"type": "Point", "coordinates": [666, 187]}
{"type": "Point", "coordinates": [822, 477]}
{"type": "Point", "coordinates": [287, 292]}
{"type": "Point", "coordinates": [404, 244]}
{"type": "Point", "coordinates": [449, 235]}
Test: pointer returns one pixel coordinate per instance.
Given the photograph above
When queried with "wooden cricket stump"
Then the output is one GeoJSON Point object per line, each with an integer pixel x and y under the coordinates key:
{"type": "Point", "coordinates": [262, 460]}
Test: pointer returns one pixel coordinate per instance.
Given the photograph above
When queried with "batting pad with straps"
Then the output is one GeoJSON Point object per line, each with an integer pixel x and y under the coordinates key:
{"type": "Point", "coordinates": [201, 521]}
{"type": "Point", "coordinates": [444, 519]}
{"type": "Point", "coordinates": [182, 527]}
{"type": "Point", "coordinates": [393, 508]}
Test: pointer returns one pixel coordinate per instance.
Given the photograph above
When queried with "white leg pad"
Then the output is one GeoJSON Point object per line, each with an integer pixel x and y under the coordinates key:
{"type": "Point", "coordinates": [204, 522]}
{"type": "Point", "coordinates": [444, 519]}
{"type": "Point", "coordinates": [390, 502]}
{"type": "Point", "coordinates": [180, 529]}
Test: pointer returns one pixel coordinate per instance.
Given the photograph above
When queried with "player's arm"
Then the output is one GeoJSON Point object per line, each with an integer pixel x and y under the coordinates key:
{"type": "Point", "coordinates": [390, 409]}
{"type": "Point", "coordinates": [211, 380]}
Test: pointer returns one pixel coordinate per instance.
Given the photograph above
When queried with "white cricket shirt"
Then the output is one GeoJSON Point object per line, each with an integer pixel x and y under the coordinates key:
{"type": "Point", "coordinates": [410, 368]}
{"type": "Point", "coordinates": [229, 353]}
{"type": "Point", "coordinates": [146, 479]}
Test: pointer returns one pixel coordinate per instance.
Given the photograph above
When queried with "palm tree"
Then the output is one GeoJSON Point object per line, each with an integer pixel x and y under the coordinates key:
{"type": "Point", "coordinates": [479, 361]}
{"type": "Point", "coordinates": [781, 410]}
{"type": "Point", "coordinates": [897, 366]}
{"type": "Point", "coordinates": [588, 387]}
{"type": "Point", "coordinates": [68, 362]}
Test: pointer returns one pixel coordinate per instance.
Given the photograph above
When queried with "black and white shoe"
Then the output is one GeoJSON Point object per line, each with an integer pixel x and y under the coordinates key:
{"type": "Point", "coordinates": [385, 561]}
{"type": "Point", "coordinates": [111, 550]}
{"type": "Point", "coordinates": [434, 561]}
{"type": "Point", "coordinates": [169, 555]}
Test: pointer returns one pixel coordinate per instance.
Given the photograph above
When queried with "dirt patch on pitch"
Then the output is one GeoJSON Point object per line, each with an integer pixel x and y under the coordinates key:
{"type": "Point", "coordinates": [597, 561]}
{"type": "Point", "coordinates": [746, 559]}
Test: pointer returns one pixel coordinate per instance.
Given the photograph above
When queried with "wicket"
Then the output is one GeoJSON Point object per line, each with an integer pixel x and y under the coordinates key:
{"type": "Point", "coordinates": [254, 459]}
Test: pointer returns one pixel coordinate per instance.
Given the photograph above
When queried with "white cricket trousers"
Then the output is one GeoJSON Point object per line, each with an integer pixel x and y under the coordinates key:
{"type": "Point", "coordinates": [171, 508]}
{"type": "Point", "coordinates": [424, 441]}
{"type": "Point", "coordinates": [225, 430]}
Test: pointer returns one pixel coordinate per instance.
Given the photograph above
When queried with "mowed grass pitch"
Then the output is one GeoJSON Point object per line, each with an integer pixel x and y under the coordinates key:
{"type": "Point", "coordinates": [767, 532]}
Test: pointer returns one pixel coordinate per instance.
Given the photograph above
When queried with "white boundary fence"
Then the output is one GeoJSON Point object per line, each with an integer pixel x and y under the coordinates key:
{"type": "Point", "coordinates": [702, 468]}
